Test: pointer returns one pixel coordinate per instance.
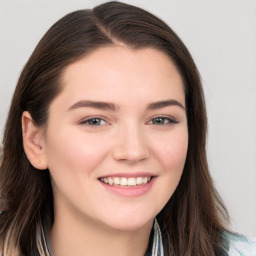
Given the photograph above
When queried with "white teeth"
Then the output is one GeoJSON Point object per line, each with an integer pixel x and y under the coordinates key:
{"type": "Point", "coordinates": [145, 180]}
{"type": "Point", "coordinates": [132, 182]}
{"type": "Point", "coordinates": [116, 181]}
{"type": "Point", "coordinates": [139, 180]}
{"type": "Point", "coordinates": [110, 181]}
{"type": "Point", "coordinates": [123, 181]}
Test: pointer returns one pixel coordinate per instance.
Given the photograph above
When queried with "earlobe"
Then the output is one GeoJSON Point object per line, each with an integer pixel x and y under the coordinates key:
{"type": "Point", "coordinates": [33, 142]}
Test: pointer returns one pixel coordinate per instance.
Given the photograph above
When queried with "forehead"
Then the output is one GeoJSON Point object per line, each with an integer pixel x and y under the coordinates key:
{"type": "Point", "coordinates": [119, 70]}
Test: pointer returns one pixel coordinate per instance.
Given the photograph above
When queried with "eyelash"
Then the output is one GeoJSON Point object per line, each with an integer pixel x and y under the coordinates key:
{"type": "Point", "coordinates": [87, 121]}
{"type": "Point", "coordinates": [167, 121]}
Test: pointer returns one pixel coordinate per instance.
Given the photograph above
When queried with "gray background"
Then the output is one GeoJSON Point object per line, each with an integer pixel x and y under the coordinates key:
{"type": "Point", "coordinates": [221, 36]}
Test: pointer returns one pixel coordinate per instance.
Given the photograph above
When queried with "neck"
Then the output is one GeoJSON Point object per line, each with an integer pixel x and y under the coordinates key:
{"type": "Point", "coordinates": [82, 237]}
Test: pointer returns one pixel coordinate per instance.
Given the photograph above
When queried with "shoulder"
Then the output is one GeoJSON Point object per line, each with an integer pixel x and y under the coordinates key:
{"type": "Point", "coordinates": [241, 246]}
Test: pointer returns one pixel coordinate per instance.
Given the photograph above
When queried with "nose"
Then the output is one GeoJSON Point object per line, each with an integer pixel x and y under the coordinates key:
{"type": "Point", "coordinates": [130, 145]}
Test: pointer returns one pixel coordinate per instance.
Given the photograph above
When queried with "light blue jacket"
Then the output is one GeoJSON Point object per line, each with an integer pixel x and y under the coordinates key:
{"type": "Point", "coordinates": [242, 247]}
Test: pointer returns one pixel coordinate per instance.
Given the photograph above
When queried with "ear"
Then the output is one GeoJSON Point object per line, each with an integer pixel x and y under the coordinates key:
{"type": "Point", "coordinates": [33, 142]}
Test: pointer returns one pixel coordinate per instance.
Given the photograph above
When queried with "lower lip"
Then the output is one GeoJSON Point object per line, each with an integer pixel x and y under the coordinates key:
{"type": "Point", "coordinates": [130, 191]}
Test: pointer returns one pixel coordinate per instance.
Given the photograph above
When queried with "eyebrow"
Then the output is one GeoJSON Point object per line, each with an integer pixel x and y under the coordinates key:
{"type": "Point", "coordinates": [164, 103]}
{"type": "Point", "coordinates": [94, 104]}
{"type": "Point", "coordinates": [111, 106]}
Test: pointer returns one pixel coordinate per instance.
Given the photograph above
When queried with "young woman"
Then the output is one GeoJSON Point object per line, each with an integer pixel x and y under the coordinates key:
{"type": "Point", "coordinates": [104, 146]}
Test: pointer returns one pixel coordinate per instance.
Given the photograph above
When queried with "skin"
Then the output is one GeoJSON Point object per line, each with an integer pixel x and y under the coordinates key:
{"type": "Point", "coordinates": [127, 140]}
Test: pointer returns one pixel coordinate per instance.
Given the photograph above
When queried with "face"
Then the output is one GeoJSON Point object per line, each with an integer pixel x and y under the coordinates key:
{"type": "Point", "coordinates": [116, 139]}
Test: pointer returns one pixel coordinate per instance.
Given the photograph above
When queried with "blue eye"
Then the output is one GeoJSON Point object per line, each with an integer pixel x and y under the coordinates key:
{"type": "Point", "coordinates": [163, 121]}
{"type": "Point", "coordinates": [95, 121]}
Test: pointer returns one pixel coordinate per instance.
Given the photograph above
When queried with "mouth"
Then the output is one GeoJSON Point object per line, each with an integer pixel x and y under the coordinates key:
{"type": "Point", "coordinates": [126, 182]}
{"type": "Point", "coordinates": [128, 185]}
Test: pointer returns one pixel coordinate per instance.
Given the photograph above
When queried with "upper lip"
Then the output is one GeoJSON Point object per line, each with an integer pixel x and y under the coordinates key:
{"type": "Point", "coordinates": [129, 175]}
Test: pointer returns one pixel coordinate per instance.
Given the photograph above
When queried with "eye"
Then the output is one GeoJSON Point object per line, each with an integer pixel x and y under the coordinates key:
{"type": "Point", "coordinates": [162, 121]}
{"type": "Point", "coordinates": [95, 121]}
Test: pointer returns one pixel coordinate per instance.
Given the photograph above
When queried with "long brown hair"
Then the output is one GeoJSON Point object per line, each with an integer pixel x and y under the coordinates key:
{"type": "Point", "coordinates": [193, 221]}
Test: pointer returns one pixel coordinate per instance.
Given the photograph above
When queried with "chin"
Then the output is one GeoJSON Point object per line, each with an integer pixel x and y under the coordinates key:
{"type": "Point", "coordinates": [129, 223]}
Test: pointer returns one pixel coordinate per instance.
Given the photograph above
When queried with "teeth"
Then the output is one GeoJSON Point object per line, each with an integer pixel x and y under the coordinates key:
{"type": "Point", "coordinates": [116, 181]}
{"type": "Point", "coordinates": [123, 181]}
{"type": "Point", "coordinates": [132, 182]}
{"type": "Point", "coordinates": [139, 180]}
{"type": "Point", "coordinates": [110, 181]}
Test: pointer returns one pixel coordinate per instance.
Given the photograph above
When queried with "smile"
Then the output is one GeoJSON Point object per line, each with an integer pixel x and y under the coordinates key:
{"type": "Point", "coordinates": [125, 181]}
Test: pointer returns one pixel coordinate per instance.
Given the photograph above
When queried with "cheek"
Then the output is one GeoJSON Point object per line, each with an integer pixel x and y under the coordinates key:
{"type": "Point", "coordinates": [74, 152]}
{"type": "Point", "coordinates": [171, 156]}
{"type": "Point", "coordinates": [172, 153]}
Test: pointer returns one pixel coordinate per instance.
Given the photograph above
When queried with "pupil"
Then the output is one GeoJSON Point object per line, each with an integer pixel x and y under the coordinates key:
{"type": "Point", "coordinates": [158, 120]}
{"type": "Point", "coordinates": [95, 121]}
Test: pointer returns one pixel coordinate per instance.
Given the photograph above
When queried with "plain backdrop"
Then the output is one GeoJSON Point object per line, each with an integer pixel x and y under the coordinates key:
{"type": "Point", "coordinates": [221, 36]}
